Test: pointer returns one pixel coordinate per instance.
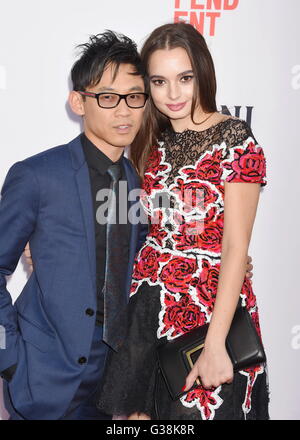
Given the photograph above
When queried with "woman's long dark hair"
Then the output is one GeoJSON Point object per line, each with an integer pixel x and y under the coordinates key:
{"type": "Point", "coordinates": [171, 36]}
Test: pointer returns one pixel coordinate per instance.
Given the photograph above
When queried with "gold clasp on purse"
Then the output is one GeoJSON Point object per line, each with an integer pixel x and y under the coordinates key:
{"type": "Point", "coordinates": [189, 358]}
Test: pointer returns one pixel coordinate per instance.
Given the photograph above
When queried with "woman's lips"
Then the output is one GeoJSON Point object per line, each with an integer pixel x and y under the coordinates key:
{"type": "Point", "coordinates": [176, 107]}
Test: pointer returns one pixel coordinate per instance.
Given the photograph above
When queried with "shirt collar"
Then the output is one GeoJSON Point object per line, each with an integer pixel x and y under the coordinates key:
{"type": "Point", "coordinates": [95, 158]}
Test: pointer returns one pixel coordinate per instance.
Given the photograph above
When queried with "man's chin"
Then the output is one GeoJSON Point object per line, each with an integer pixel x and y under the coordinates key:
{"type": "Point", "coordinates": [123, 141]}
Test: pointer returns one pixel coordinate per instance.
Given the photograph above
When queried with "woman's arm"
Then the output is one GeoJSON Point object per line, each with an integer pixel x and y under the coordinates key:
{"type": "Point", "coordinates": [240, 204]}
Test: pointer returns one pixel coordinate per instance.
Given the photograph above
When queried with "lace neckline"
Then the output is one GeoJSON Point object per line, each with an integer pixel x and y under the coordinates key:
{"type": "Point", "coordinates": [198, 132]}
{"type": "Point", "coordinates": [185, 148]}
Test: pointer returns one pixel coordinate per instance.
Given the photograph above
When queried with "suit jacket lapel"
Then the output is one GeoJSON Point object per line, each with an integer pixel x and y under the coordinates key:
{"type": "Point", "coordinates": [84, 190]}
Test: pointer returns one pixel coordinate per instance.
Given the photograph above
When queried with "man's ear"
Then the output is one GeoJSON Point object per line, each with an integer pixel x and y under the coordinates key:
{"type": "Point", "coordinates": [76, 103]}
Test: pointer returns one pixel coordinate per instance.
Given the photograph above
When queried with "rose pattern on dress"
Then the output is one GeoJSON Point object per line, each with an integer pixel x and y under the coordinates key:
{"type": "Point", "coordinates": [181, 316]}
{"type": "Point", "coordinates": [187, 269]}
{"type": "Point", "coordinates": [207, 284]}
{"type": "Point", "coordinates": [251, 375]}
{"type": "Point", "coordinates": [147, 266]}
{"type": "Point", "coordinates": [247, 293]}
{"type": "Point", "coordinates": [151, 183]}
{"type": "Point", "coordinates": [206, 401]}
{"type": "Point", "coordinates": [194, 195]}
{"type": "Point", "coordinates": [208, 168]}
{"type": "Point", "coordinates": [156, 229]}
{"type": "Point", "coordinates": [208, 238]}
{"type": "Point", "coordinates": [155, 161]}
{"type": "Point", "coordinates": [177, 274]}
{"type": "Point", "coordinates": [246, 164]}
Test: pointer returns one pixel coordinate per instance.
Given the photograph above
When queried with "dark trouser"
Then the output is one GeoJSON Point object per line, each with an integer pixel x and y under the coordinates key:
{"type": "Point", "coordinates": [83, 404]}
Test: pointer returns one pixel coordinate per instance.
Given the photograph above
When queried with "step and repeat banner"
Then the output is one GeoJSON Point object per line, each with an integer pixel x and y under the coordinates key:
{"type": "Point", "coordinates": [256, 49]}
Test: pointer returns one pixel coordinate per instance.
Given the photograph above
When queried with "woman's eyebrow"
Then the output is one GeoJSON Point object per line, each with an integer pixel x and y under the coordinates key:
{"type": "Point", "coordinates": [185, 72]}
{"type": "Point", "coordinates": [179, 74]}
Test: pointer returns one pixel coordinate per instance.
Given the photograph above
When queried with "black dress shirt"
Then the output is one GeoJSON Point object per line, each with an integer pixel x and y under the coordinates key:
{"type": "Point", "coordinates": [98, 164]}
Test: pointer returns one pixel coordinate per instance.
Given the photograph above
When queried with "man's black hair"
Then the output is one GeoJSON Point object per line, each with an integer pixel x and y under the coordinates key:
{"type": "Point", "coordinates": [102, 50]}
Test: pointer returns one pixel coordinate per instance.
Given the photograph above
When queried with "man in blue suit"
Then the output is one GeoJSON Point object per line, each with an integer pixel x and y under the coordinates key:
{"type": "Point", "coordinates": [58, 332]}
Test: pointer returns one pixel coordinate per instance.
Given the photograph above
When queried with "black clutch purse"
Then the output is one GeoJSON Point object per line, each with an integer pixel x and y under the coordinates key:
{"type": "Point", "coordinates": [177, 357]}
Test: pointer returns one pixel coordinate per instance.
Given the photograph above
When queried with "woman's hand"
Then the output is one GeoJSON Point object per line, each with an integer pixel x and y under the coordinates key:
{"type": "Point", "coordinates": [213, 366]}
{"type": "Point", "coordinates": [138, 416]}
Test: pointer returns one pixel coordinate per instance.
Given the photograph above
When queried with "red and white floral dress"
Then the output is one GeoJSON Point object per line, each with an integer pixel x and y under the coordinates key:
{"type": "Point", "coordinates": [176, 271]}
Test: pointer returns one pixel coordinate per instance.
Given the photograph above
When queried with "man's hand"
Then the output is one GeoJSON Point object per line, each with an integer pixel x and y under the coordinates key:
{"type": "Point", "coordinates": [249, 267]}
{"type": "Point", "coordinates": [27, 255]}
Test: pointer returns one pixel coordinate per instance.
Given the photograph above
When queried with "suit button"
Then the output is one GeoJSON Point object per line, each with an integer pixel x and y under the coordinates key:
{"type": "Point", "coordinates": [89, 312]}
{"type": "Point", "coordinates": [82, 360]}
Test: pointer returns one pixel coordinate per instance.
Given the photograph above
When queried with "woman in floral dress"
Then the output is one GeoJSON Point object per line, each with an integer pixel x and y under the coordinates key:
{"type": "Point", "coordinates": [202, 173]}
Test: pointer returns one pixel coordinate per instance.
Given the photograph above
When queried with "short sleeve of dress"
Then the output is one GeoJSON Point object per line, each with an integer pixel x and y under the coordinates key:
{"type": "Point", "coordinates": [244, 159]}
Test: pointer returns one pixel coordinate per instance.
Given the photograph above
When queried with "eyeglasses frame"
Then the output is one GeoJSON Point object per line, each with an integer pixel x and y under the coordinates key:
{"type": "Point", "coordinates": [96, 95]}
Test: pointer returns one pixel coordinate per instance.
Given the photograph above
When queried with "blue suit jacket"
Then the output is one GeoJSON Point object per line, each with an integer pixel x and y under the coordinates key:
{"type": "Point", "coordinates": [46, 200]}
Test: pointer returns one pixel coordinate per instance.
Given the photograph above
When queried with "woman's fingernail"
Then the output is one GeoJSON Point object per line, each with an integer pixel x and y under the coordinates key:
{"type": "Point", "coordinates": [183, 388]}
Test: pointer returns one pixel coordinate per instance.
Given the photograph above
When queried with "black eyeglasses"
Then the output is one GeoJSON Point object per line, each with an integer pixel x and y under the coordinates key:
{"type": "Point", "coordinates": [111, 100]}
